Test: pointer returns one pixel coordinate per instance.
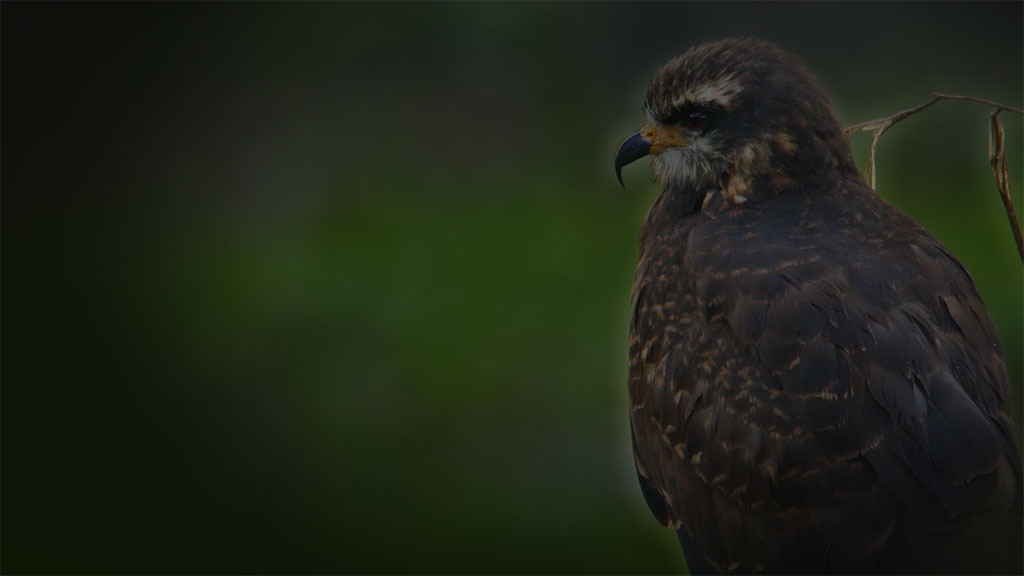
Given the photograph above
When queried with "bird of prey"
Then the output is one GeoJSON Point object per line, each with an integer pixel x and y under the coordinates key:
{"type": "Point", "coordinates": [815, 383]}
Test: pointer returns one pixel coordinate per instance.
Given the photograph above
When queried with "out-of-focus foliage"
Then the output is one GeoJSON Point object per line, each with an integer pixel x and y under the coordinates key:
{"type": "Point", "coordinates": [345, 287]}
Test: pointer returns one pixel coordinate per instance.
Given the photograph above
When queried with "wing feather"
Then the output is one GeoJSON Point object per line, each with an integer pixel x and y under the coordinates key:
{"type": "Point", "coordinates": [791, 385]}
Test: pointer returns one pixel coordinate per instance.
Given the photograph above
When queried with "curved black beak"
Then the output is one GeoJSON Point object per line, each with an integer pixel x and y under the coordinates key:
{"type": "Point", "coordinates": [631, 149]}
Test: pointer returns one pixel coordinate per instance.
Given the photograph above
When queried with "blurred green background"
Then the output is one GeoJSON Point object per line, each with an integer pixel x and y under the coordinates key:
{"type": "Point", "coordinates": [345, 287]}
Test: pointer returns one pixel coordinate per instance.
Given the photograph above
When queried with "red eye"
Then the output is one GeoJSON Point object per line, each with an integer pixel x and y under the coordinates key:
{"type": "Point", "coordinates": [696, 120]}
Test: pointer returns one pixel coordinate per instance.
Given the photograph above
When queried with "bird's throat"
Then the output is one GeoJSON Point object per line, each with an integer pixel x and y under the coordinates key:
{"type": "Point", "coordinates": [675, 203]}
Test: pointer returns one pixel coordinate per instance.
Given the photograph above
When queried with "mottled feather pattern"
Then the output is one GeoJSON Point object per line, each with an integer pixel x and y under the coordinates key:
{"type": "Point", "coordinates": [759, 420]}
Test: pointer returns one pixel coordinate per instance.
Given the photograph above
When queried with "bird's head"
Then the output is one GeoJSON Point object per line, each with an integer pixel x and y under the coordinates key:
{"type": "Point", "coordinates": [739, 116]}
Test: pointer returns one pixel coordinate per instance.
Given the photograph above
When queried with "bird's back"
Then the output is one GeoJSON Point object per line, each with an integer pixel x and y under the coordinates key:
{"type": "Point", "coordinates": [816, 386]}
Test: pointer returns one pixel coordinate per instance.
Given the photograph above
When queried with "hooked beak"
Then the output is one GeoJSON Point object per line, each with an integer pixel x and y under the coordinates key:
{"type": "Point", "coordinates": [649, 140]}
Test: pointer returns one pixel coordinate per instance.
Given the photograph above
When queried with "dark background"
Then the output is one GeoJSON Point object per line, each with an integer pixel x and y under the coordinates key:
{"type": "Point", "coordinates": [345, 287]}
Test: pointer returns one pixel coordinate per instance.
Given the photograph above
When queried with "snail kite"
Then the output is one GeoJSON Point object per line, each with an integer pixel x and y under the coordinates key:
{"type": "Point", "coordinates": [815, 383]}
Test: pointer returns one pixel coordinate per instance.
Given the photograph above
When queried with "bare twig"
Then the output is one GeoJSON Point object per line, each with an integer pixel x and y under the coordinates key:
{"type": "Point", "coordinates": [996, 152]}
{"type": "Point", "coordinates": [997, 158]}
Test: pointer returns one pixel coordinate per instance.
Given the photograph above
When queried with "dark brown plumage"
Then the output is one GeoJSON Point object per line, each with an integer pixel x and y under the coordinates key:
{"type": "Point", "coordinates": [815, 383]}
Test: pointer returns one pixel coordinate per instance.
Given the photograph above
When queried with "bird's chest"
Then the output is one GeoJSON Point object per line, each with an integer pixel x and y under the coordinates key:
{"type": "Point", "coordinates": [671, 342]}
{"type": "Point", "coordinates": [692, 376]}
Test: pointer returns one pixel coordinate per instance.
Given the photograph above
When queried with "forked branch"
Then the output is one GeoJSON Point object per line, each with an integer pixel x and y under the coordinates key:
{"type": "Point", "coordinates": [996, 151]}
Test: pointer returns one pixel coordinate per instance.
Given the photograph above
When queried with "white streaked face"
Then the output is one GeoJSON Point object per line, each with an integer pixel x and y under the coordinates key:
{"type": "Point", "coordinates": [695, 164]}
{"type": "Point", "coordinates": [735, 120]}
{"type": "Point", "coordinates": [699, 161]}
{"type": "Point", "coordinates": [690, 132]}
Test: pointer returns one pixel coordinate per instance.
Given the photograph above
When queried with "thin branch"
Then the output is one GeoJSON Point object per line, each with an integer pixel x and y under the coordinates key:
{"type": "Point", "coordinates": [997, 158]}
{"type": "Point", "coordinates": [999, 107]}
{"type": "Point", "coordinates": [936, 96]}
{"type": "Point", "coordinates": [996, 151]}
